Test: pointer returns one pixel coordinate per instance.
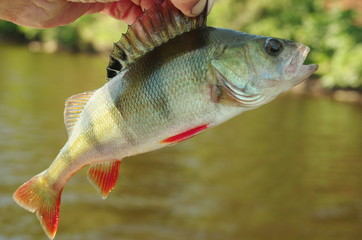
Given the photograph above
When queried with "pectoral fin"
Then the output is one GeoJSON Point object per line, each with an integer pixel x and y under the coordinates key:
{"type": "Point", "coordinates": [104, 176]}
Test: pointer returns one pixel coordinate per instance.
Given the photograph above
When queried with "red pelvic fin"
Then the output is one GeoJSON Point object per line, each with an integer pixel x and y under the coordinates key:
{"type": "Point", "coordinates": [104, 176]}
{"type": "Point", "coordinates": [185, 135]}
{"type": "Point", "coordinates": [37, 196]}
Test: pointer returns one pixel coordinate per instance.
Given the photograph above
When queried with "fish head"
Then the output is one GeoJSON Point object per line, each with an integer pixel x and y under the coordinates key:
{"type": "Point", "coordinates": [260, 68]}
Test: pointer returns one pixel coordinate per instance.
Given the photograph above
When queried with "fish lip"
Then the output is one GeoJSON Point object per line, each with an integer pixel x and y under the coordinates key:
{"type": "Point", "coordinates": [296, 66]}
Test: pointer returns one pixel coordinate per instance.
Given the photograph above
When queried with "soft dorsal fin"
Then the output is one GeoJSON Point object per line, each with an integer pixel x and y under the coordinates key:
{"type": "Point", "coordinates": [73, 108]}
{"type": "Point", "coordinates": [155, 26]}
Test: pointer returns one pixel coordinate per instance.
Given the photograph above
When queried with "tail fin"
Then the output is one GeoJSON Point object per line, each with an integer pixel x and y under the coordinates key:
{"type": "Point", "coordinates": [37, 196]}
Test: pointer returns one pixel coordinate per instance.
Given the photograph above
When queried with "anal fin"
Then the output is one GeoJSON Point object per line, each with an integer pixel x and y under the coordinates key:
{"type": "Point", "coordinates": [104, 176]}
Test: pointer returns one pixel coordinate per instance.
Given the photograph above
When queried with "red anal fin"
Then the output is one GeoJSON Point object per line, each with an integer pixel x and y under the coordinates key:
{"type": "Point", "coordinates": [104, 176]}
{"type": "Point", "coordinates": [185, 135]}
{"type": "Point", "coordinates": [36, 196]}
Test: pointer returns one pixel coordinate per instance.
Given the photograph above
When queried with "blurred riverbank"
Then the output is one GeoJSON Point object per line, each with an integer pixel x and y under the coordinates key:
{"type": "Point", "coordinates": [313, 87]}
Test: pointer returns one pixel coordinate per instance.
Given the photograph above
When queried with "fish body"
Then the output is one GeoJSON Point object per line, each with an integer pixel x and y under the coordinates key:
{"type": "Point", "coordinates": [164, 87]}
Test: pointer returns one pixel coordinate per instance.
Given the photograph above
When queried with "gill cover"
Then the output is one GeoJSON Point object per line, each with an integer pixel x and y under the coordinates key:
{"type": "Point", "coordinates": [233, 71]}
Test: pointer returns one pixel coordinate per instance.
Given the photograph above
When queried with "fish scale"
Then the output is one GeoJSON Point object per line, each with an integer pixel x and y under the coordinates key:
{"type": "Point", "coordinates": [168, 79]}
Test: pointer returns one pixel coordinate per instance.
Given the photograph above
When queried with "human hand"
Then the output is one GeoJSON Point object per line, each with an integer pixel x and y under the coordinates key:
{"type": "Point", "coordinates": [53, 13]}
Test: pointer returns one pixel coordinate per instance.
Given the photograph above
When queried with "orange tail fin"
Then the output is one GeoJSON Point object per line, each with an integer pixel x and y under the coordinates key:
{"type": "Point", "coordinates": [37, 196]}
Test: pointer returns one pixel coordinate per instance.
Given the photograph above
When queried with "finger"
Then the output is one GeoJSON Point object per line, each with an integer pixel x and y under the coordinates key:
{"type": "Point", "coordinates": [44, 14]}
{"type": "Point", "coordinates": [127, 10]}
{"type": "Point", "coordinates": [210, 4]}
{"type": "Point", "coordinates": [92, 1]}
{"type": "Point", "coordinates": [192, 8]}
{"type": "Point", "coordinates": [123, 10]}
{"type": "Point", "coordinates": [144, 4]}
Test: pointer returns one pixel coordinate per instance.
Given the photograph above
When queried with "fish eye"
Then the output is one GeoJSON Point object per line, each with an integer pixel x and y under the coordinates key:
{"type": "Point", "coordinates": [273, 46]}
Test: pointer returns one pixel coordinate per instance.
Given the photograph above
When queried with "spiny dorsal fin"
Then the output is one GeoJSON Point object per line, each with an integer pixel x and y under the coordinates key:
{"type": "Point", "coordinates": [155, 26]}
{"type": "Point", "coordinates": [73, 108]}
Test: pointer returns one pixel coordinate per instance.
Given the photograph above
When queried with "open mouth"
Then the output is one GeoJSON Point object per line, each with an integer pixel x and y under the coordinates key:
{"type": "Point", "coordinates": [296, 67]}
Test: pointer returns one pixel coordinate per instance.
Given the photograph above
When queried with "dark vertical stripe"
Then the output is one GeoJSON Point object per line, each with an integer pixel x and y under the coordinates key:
{"type": "Point", "coordinates": [119, 117]}
{"type": "Point", "coordinates": [154, 91]}
{"type": "Point", "coordinates": [90, 134]}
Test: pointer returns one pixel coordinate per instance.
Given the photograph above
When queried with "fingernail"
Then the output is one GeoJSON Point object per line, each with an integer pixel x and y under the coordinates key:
{"type": "Point", "coordinates": [210, 4]}
{"type": "Point", "coordinates": [198, 8]}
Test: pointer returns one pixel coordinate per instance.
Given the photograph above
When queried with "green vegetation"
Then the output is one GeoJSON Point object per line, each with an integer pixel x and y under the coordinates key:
{"type": "Point", "coordinates": [89, 33]}
{"type": "Point", "coordinates": [333, 33]}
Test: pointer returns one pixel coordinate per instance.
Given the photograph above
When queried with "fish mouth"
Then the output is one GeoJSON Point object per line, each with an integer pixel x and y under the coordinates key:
{"type": "Point", "coordinates": [295, 73]}
{"type": "Point", "coordinates": [296, 69]}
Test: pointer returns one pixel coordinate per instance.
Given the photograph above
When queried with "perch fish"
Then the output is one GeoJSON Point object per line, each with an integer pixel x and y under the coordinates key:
{"type": "Point", "coordinates": [169, 78]}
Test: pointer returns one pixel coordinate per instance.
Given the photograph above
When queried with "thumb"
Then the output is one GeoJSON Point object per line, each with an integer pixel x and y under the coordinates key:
{"type": "Point", "coordinates": [192, 8]}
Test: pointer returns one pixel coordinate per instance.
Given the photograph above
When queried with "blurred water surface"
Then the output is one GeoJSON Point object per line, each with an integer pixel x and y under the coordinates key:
{"type": "Point", "coordinates": [289, 170]}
